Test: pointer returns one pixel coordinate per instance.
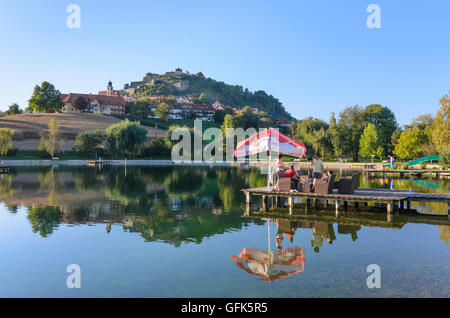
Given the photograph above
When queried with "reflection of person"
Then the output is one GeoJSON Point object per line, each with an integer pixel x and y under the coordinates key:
{"type": "Point", "coordinates": [317, 167]}
{"type": "Point", "coordinates": [322, 231]}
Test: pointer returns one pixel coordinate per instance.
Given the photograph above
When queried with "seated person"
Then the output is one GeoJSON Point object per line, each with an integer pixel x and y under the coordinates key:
{"type": "Point", "coordinates": [290, 173]}
{"type": "Point", "coordinates": [325, 177]}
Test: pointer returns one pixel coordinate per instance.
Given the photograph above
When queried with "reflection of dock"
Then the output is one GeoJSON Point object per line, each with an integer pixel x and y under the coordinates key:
{"type": "Point", "coordinates": [402, 173]}
{"type": "Point", "coordinates": [4, 169]}
{"type": "Point", "coordinates": [393, 199]}
{"type": "Point", "coordinates": [352, 218]}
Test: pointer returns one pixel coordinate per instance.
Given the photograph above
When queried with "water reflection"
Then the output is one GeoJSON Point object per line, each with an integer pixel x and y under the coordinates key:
{"type": "Point", "coordinates": [176, 204]}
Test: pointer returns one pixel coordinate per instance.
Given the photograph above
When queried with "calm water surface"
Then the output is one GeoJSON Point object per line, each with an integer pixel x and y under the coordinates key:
{"type": "Point", "coordinates": [181, 232]}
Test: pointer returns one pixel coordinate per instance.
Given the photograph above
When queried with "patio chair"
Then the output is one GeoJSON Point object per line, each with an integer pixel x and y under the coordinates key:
{"type": "Point", "coordinates": [348, 185]}
{"type": "Point", "coordinates": [325, 187]}
{"type": "Point", "coordinates": [284, 184]}
{"type": "Point", "coordinates": [304, 185]}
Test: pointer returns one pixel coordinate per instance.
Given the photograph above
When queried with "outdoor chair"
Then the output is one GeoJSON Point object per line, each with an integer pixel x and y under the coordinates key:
{"type": "Point", "coordinates": [284, 184]}
{"type": "Point", "coordinates": [304, 184]}
{"type": "Point", "coordinates": [325, 187]}
{"type": "Point", "coordinates": [348, 185]}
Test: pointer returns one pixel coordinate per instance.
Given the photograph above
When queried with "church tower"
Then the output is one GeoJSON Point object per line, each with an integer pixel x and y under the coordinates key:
{"type": "Point", "coordinates": [109, 89]}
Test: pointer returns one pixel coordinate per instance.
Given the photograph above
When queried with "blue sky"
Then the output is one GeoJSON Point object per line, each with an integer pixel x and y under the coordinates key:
{"type": "Point", "coordinates": [314, 56]}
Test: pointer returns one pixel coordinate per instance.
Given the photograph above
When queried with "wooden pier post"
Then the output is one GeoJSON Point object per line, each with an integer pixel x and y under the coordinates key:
{"type": "Point", "coordinates": [247, 203]}
{"type": "Point", "coordinates": [291, 205]}
{"type": "Point", "coordinates": [408, 205]}
{"type": "Point", "coordinates": [264, 203]}
{"type": "Point", "coordinates": [315, 203]}
{"type": "Point", "coordinates": [336, 204]}
{"type": "Point", "coordinates": [325, 203]}
{"type": "Point", "coordinates": [345, 205]}
{"type": "Point", "coordinates": [356, 204]}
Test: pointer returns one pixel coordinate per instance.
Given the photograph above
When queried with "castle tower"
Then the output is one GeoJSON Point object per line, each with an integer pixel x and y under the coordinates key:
{"type": "Point", "coordinates": [109, 89]}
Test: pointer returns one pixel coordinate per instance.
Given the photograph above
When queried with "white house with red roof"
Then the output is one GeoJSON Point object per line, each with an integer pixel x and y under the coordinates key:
{"type": "Point", "coordinates": [99, 104]}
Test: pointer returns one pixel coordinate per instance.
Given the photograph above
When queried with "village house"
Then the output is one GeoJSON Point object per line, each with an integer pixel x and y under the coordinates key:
{"type": "Point", "coordinates": [183, 110]}
{"type": "Point", "coordinates": [107, 102]}
{"type": "Point", "coordinates": [283, 122]}
{"type": "Point", "coordinates": [98, 104]}
{"type": "Point", "coordinates": [218, 105]}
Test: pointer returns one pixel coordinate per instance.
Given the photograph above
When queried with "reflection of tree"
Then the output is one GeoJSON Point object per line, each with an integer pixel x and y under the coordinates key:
{"type": "Point", "coordinates": [191, 228]}
{"type": "Point", "coordinates": [5, 186]}
{"type": "Point", "coordinates": [184, 182]}
{"type": "Point", "coordinates": [87, 180]}
{"type": "Point", "coordinates": [445, 234]}
{"type": "Point", "coordinates": [231, 182]}
{"type": "Point", "coordinates": [44, 219]}
{"type": "Point", "coordinates": [49, 182]}
{"type": "Point", "coordinates": [126, 186]}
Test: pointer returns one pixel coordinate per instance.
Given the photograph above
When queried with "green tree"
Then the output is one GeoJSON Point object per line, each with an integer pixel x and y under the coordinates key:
{"type": "Point", "coordinates": [52, 140]}
{"type": "Point", "coordinates": [89, 141]}
{"type": "Point", "coordinates": [219, 116]}
{"type": "Point", "coordinates": [45, 99]}
{"type": "Point", "coordinates": [13, 109]}
{"type": "Point", "coordinates": [6, 135]}
{"type": "Point", "coordinates": [349, 130]}
{"type": "Point", "coordinates": [409, 145]}
{"type": "Point", "coordinates": [125, 138]}
{"type": "Point", "coordinates": [385, 123]}
{"type": "Point", "coordinates": [80, 103]}
{"type": "Point", "coordinates": [440, 127]}
{"type": "Point", "coordinates": [139, 109]}
{"type": "Point", "coordinates": [163, 111]}
{"type": "Point", "coordinates": [370, 143]}
{"type": "Point", "coordinates": [313, 134]}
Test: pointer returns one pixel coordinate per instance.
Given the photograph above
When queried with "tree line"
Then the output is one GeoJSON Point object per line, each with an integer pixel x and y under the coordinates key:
{"type": "Point", "coordinates": [373, 131]}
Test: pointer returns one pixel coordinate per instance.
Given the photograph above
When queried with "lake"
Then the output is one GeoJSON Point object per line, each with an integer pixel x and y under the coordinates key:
{"type": "Point", "coordinates": [182, 232]}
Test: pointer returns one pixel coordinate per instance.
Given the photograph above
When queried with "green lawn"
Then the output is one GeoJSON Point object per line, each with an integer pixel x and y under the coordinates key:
{"type": "Point", "coordinates": [67, 155]}
{"type": "Point", "coordinates": [159, 123]}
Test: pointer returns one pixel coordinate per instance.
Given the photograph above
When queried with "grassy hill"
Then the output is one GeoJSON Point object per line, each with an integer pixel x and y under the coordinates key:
{"type": "Point", "coordinates": [193, 85]}
{"type": "Point", "coordinates": [28, 127]}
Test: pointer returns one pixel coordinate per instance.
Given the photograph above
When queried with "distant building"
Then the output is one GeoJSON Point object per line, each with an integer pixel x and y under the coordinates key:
{"type": "Point", "coordinates": [110, 91]}
{"type": "Point", "coordinates": [218, 105]}
{"type": "Point", "coordinates": [202, 112]}
{"type": "Point", "coordinates": [284, 122]}
{"type": "Point", "coordinates": [98, 104]}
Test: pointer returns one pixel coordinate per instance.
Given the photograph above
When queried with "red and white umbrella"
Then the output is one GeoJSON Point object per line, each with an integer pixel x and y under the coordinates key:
{"type": "Point", "coordinates": [269, 140]}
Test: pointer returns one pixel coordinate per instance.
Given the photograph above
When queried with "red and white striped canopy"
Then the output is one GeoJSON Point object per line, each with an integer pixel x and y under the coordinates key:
{"type": "Point", "coordinates": [269, 140]}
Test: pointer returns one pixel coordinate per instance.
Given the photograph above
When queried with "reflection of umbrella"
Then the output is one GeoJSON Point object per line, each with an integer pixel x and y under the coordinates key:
{"type": "Point", "coordinates": [270, 140]}
{"type": "Point", "coordinates": [271, 266]}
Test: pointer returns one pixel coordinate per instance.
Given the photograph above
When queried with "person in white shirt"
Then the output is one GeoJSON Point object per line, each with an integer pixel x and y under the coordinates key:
{"type": "Point", "coordinates": [317, 167]}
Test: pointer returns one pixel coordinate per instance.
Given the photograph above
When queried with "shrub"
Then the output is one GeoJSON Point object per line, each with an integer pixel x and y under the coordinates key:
{"type": "Point", "coordinates": [6, 135]}
{"type": "Point", "coordinates": [156, 147]}
{"type": "Point", "coordinates": [90, 142]}
{"type": "Point", "coordinates": [444, 158]}
{"type": "Point", "coordinates": [125, 138]}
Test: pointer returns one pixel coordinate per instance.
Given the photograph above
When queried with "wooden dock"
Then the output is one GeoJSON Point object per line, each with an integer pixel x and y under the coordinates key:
{"type": "Point", "coordinates": [393, 199]}
{"type": "Point", "coordinates": [402, 173]}
{"type": "Point", "coordinates": [93, 163]}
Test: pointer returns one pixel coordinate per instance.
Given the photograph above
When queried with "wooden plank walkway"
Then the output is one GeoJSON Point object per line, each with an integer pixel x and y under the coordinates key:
{"type": "Point", "coordinates": [392, 198]}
